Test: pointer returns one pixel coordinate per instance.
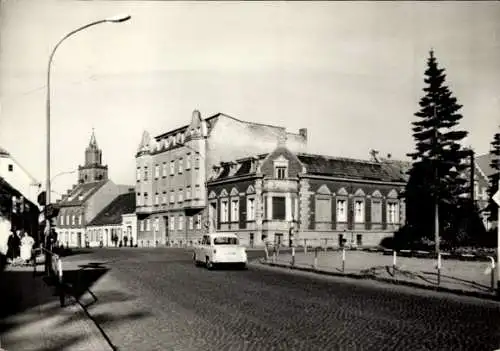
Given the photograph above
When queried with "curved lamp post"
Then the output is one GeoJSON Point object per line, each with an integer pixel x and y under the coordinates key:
{"type": "Point", "coordinates": [117, 19]}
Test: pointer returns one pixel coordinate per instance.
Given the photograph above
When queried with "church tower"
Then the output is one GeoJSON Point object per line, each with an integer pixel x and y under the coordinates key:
{"type": "Point", "coordinates": [93, 170]}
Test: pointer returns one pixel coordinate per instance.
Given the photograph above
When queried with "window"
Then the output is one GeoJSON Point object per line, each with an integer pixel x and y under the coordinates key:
{"type": "Point", "coordinates": [392, 213]}
{"type": "Point", "coordinates": [359, 239]}
{"type": "Point", "coordinates": [67, 220]}
{"type": "Point", "coordinates": [157, 171]}
{"type": "Point", "coordinates": [235, 210]}
{"type": "Point", "coordinates": [146, 199]}
{"type": "Point", "coordinates": [138, 199]}
{"type": "Point", "coordinates": [180, 196]}
{"type": "Point", "coordinates": [157, 224]}
{"type": "Point", "coordinates": [141, 225]}
{"type": "Point", "coordinates": [376, 211]}
{"type": "Point", "coordinates": [280, 172]}
{"type": "Point", "coordinates": [359, 211]}
{"type": "Point", "coordinates": [188, 193]}
{"type": "Point", "coordinates": [157, 199]}
{"type": "Point", "coordinates": [171, 223]}
{"type": "Point", "coordinates": [11, 168]}
{"type": "Point", "coordinates": [323, 209]}
{"type": "Point", "coordinates": [198, 221]}
{"type": "Point", "coordinates": [148, 224]}
{"type": "Point", "coordinates": [138, 174]}
{"type": "Point", "coordinates": [250, 209]}
{"type": "Point", "coordinates": [181, 222]}
{"type": "Point", "coordinates": [81, 220]}
{"type": "Point", "coordinates": [73, 219]}
{"type": "Point", "coordinates": [191, 222]}
{"type": "Point", "coordinates": [279, 206]}
{"type": "Point", "coordinates": [222, 240]}
{"type": "Point", "coordinates": [188, 161]}
{"type": "Point", "coordinates": [145, 173]}
{"type": "Point", "coordinates": [180, 165]}
{"type": "Point", "coordinates": [164, 170]}
{"type": "Point", "coordinates": [164, 198]}
{"type": "Point", "coordinates": [197, 192]}
{"type": "Point", "coordinates": [197, 162]}
{"type": "Point", "coordinates": [172, 197]}
{"type": "Point", "coordinates": [341, 210]}
{"type": "Point", "coordinates": [224, 211]}
{"type": "Point", "coordinates": [172, 167]}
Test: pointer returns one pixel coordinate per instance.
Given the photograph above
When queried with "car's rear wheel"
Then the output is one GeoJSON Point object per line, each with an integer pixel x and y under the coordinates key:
{"type": "Point", "coordinates": [209, 263]}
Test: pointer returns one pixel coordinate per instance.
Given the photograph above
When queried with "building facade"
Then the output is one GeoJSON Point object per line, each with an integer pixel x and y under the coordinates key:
{"type": "Point", "coordinates": [482, 176]}
{"type": "Point", "coordinates": [319, 199]}
{"type": "Point", "coordinates": [118, 219]}
{"type": "Point", "coordinates": [86, 199]}
{"type": "Point", "coordinates": [171, 169]}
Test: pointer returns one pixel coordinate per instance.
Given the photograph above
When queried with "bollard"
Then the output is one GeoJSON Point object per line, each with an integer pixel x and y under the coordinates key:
{"type": "Point", "coordinates": [394, 257]}
{"type": "Point", "coordinates": [60, 285]}
{"type": "Point", "coordinates": [343, 259]}
{"type": "Point", "coordinates": [439, 268]}
{"type": "Point", "coordinates": [293, 256]}
{"type": "Point", "coordinates": [315, 264]}
{"type": "Point", "coordinates": [492, 272]}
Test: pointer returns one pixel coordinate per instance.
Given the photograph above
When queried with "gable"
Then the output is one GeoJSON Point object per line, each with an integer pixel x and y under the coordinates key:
{"type": "Point", "coordinates": [223, 193]}
{"type": "Point", "coordinates": [324, 190]}
{"type": "Point", "coordinates": [281, 155]}
{"type": "Point", "coordinates": [392, 194]}
{"type": "Point", "coordinates": [359, 192]}
{"type": "Point", "coordinates": [212, 195]}
{"type": "Point", "coordinates": [234, 192]}
{"type": "Point", "coordinates": [250, 190]}
{"type": "Point", "coordinates": [376, 193]}
{"type": "Point", "coordinates": [342, 192]}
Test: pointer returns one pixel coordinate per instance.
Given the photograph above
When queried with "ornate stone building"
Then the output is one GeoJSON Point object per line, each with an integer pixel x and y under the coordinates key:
{"type": "Point", "coordinates": [317, 197]}
{"type": "Point", "coordinates": [171, 172]}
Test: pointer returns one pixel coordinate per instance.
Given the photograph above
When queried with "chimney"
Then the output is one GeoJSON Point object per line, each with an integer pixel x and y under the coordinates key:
{"type": "Point", "coordinates": [303, 133]}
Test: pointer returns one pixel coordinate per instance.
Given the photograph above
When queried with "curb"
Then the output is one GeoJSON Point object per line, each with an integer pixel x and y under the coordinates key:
{"type": "Point", "coordinates": [359, 276]}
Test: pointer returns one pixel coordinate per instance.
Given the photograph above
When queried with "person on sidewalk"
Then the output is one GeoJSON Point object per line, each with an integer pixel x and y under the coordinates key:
{"type": "Point", "coordinates": [27, 248]}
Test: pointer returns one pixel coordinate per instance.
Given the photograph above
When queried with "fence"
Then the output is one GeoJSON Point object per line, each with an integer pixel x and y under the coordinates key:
{"type": "Point", "coordinates": [398, 265]}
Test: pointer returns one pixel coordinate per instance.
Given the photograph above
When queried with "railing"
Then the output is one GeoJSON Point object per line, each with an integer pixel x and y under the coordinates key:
{"type": "Point", "coordinates": [53, 264]}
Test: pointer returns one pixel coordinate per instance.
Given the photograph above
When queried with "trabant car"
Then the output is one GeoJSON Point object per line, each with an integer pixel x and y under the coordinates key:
{"type": "Point", "coordinates": [220, 248]}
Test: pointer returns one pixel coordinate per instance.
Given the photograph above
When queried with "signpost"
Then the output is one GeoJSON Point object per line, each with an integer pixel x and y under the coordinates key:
{"type": "Point", "coordinates": [496, 198]}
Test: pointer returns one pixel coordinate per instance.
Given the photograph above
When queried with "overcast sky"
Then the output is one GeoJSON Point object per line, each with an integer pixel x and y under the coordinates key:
{"type": "Point", "coordinates": [351, 73]}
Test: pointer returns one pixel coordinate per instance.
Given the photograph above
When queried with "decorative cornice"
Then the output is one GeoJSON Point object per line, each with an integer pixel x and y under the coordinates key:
{"type": "Point", "coordinates": [353, 180]}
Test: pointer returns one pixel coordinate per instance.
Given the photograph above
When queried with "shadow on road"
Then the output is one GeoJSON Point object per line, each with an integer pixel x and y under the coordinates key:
{"type": "Point", "coordinates": [28, 299]}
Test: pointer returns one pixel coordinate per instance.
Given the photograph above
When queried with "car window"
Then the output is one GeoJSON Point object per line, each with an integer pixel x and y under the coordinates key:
{"type": "Point", "coordinates": [224, 240]}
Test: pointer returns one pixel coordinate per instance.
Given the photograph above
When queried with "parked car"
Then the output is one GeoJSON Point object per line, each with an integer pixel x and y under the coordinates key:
{"type": "Point", "coordinates": [220, 248]}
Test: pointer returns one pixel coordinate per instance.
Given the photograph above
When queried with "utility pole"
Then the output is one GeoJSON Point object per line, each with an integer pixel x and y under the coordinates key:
{"type": "Point", "coordinates": [436, 187]}
{"type": "Point", "coordinates": [472, 176]}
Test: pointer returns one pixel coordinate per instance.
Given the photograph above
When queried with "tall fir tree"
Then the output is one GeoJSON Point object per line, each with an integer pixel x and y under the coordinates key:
{"type": "Point", "coordinates": [439, 159]}
{"type": "Point", "coordinates": [493, 187]}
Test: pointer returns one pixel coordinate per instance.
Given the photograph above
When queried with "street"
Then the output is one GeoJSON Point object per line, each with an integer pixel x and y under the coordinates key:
{"type": "Point", "coordinates": [156, 299]}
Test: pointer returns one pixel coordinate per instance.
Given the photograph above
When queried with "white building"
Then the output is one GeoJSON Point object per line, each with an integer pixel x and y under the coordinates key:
{"type": "Point", "coordinates": [18, 177]}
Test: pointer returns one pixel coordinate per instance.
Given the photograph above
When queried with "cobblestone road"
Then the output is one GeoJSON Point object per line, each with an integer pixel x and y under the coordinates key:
{"type": "Point", "coordinates": [158, 300]}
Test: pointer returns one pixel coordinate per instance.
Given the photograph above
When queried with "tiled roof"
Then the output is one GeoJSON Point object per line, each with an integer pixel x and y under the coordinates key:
{"type": "Point", "coordinates": [483, 163]}
{"type": "Point", "coordinates": [81, 193]}
{"type": "Point", "coordinates": [6, 193]}
{"type": "Point", "coordinates": [112, 214]}
{"type": "Point", "coordinates": [351, 168]}
{"type": "Point", "coordinates": [244, 168]}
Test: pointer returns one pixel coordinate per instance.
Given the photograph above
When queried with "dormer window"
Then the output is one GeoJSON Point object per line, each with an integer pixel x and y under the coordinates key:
{"type": "Point", "coordinates": [281, 168]}
{"type": "Point", "coordinates": [280, 172]}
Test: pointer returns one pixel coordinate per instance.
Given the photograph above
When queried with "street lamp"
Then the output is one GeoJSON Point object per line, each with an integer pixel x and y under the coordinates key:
{"type": "Point", "coordinates": [117, 19]}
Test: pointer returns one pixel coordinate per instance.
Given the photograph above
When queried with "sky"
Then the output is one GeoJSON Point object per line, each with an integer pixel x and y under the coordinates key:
{"type": "Point", "coordinates": [349, 72]}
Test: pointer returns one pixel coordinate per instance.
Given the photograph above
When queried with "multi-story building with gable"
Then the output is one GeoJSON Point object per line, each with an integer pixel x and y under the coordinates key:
{"type": "Point", "coordinates": [323, 200]}
{"type": "Point", "coordinates": [86, 199]}
{"type": "Point", "coordinates": [171, 172]}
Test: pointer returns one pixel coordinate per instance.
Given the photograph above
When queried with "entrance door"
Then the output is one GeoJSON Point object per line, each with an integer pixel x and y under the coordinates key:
{"type": "Point", "coordinates": [79, 239]}
{"type": "Point", "coordinates": [212, 216]}
{"type": "Point", "coordinates": [278, 239]}
{"type": "Point", "coordinates": [251, 240]}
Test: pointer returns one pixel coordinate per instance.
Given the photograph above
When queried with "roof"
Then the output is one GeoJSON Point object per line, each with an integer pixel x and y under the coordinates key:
{"type": "Point", "coordinates": [244, 167]}
{"type": "Point", "coordinates": [81, 193]}
{"type": "Point", "coordinates": [352, 168]}
{"type": "Point", "coordinates": [112, 214]}
{"type": "Point", "coordinates": [3, 152]}
{"type": "Point", "coordinates": [483, 162]}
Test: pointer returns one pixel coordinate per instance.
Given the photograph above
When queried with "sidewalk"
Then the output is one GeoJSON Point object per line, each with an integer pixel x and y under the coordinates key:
{"type": "Point", "coordinates": [463, 277]}
{"type": "Point", "coordinates": [32, 318]}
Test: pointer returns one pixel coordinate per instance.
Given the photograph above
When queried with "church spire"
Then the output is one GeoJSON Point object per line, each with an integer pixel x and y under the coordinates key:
{"type": "Point", "coordinates": [93, 141]}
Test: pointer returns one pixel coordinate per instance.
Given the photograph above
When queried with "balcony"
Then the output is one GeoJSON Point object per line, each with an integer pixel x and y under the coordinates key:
{"type": "Point", "coordinates": [280, 185]}
{"type": "Point", "coordinates": [194, 204]}
{"type": "Point", "coordinates": [144, 209]}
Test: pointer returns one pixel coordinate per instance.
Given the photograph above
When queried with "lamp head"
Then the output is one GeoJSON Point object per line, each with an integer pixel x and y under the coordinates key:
{"type": "Point", "coordinates": [118, 19]}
